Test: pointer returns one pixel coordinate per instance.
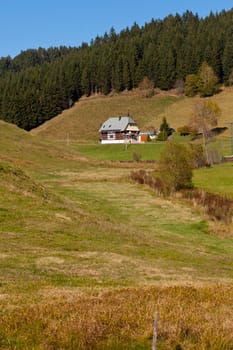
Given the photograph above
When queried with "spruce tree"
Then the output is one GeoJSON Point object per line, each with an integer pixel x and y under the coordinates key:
{"type": "Point", "coordinates": [227, 59]}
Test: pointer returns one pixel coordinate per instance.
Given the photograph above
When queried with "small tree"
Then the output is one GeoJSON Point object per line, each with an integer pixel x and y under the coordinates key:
{"type": "Point", "coordinates": [164, 130]}
{"type": "Point", "coordinates": [191, 85]}
{"type": "Point", "coordinates": [175, 166]}
{"type": "Point", "coordinates": [205, 116]}
{"type": "Point", "coordinates": [198, 155]}
{"type": "Point", "coordinates": [207, 81]}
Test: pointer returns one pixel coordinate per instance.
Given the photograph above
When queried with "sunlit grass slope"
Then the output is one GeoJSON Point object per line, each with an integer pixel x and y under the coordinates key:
{"type": "Point", "coordinates": [33, 154]}
{"type": "Point", "coordinates": [82, 122]}
{"type": "Point", "coordinates": [87, 256]}
{"type": "Point", "coordinates": [56, 204]}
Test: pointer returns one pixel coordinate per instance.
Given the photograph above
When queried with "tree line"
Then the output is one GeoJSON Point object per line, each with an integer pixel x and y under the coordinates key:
{"type": "Point", "coordinates": [38, 84]}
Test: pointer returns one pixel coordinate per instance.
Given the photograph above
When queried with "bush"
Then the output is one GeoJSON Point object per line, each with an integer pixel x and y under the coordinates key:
{"type": "Point", "coordinates": [136, 157]}
{"type": "Point", "coordinates": [205, 82]}
{"type": "Point", "coordinates": [146, 87]}
{"type": "Point", "coordinates": [175, 166]}
{"type": "Point", "coordinates": [217, 206]}
{"type": "Point", "coordinates": [155, 183]}
{"type": "Point", "coordinates": [191, 88]}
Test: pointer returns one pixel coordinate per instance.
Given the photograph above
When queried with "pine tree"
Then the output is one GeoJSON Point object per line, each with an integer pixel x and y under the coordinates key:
{"type": "Point", "coordinates": [164, 130]}
{"type": "Point", "coordinates": [227, 58]}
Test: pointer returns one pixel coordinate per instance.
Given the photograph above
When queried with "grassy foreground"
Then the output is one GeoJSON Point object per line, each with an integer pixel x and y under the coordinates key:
{"type": "Point", "coordinates": [188, 318]}
{"type": "Point", "coordinates": [87, 256]}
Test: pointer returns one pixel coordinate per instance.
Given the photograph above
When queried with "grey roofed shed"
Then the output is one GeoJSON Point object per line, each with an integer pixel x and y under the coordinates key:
{"type": "Point", "coordinates": [116, 124]}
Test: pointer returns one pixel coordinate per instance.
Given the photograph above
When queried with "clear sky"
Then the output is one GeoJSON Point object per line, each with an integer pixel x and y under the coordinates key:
{"type": "Point", "coordinates": [28, 24]}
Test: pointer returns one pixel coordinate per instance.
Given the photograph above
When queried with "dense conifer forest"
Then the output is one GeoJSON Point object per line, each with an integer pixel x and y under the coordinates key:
{"type": "Point", "coordinates": [38, 84]}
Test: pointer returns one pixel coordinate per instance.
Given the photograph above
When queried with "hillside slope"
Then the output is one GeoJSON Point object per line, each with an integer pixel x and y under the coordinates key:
{"type": "Point", "coordinates": [82, 122]}
{"type": "Point", "coordinates": [36, 155]}
{"type": "Point", "coordinates": [87, 256]}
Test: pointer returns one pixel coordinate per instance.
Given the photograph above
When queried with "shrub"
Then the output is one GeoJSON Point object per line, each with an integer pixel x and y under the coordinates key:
{"type": "Point", "coordinates": [136, 156]}
{"type": "Point", "coordinates": [205, 82]}
{"type": "Point", "coordinates": [155, 183]}
{"type": "Point", "coordinates": [217, 206]}
{"type": "Point", "coordinates": [175, 166]}
{"type": "Point", "coordinates": [146, 87]}
{"type": "Point", "coordinates": [191, 88]}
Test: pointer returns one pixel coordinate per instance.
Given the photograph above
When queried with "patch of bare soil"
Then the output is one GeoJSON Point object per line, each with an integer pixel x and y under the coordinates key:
{"type": "Point", "coordinates": [48, 260]}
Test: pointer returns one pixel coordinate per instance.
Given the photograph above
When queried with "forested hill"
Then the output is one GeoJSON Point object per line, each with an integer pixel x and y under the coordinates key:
{"type": "Point", "coordinates": [38, 84]}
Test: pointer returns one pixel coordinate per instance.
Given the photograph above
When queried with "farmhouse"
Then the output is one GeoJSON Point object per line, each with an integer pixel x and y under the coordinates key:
{"type": "Point", "coordinates": [119, 130]}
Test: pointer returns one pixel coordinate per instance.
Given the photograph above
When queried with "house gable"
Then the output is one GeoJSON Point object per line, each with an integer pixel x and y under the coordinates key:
{"type": "Point", "coordinates": [118, 130]}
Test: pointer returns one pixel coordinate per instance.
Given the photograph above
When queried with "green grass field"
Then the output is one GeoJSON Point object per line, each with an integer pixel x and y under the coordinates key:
{"type": "Point", "coordinates": [217, 179]}
{"type": "Point", "coordinates": [148, 151]}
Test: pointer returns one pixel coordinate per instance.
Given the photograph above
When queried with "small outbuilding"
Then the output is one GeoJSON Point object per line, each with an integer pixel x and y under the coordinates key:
{"type": "Point", "coordinates": [119, 130]}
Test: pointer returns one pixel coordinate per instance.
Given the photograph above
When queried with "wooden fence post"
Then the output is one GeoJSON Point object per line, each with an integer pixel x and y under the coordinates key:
{"type": "Point", "coordinates": [155, 331]}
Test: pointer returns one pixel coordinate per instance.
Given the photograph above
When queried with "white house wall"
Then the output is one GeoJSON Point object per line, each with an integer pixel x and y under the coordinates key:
{"type": "Point", "coordinates": [118, 142]}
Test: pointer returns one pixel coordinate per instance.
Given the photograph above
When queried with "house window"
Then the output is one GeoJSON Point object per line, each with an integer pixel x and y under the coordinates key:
{"type": "Point", "coordinates": [111, 136]}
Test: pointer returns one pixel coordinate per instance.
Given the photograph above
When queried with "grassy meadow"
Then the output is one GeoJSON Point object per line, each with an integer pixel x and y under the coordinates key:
{"type": "Point", "coordinates": [146, 152]}
{"type": "Point", "coordinates": [87, 256]}
{"type": "Point", "coordinates": [217, 179]}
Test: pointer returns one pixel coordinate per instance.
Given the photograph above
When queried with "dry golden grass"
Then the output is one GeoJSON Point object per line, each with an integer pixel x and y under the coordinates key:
{"type": "Point", "coordinates": [189, 317]}
{"type": "Point", "coordinates": [82, 122]}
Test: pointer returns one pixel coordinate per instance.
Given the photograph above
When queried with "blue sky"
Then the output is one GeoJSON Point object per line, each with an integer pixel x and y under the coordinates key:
{"type": "Point", "coordinates": [28, 24]}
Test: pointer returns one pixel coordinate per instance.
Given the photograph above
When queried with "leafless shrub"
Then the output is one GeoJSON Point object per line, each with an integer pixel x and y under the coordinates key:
{"type": "Point", "coordinates": [138, 176]}
{"type": "Point", "coordinates": [155, 183]}
{"type": "Point", "coordinates": [217, 206]}
{"type": "Point", "coordinates": [179, 87]}
{"type": "Point", "coordinates": [146, 87]}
